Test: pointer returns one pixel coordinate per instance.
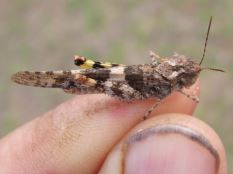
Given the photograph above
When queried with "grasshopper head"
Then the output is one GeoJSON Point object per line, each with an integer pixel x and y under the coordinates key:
{"type": "Point", "coordinates": [179, 70]}
{"type": "Point", "coordinates": [189, 72]}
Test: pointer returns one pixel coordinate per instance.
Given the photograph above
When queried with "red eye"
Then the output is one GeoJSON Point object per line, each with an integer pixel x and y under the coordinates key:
{"type": "Point", "coordinates": [79, 60]}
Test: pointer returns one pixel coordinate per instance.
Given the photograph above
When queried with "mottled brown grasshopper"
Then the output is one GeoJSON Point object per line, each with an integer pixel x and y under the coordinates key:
{"type": "Point", "coordinates": [128, 82]}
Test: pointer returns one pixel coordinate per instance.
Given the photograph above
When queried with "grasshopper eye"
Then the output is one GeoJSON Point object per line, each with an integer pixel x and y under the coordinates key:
{"type": "Point", "coordinates": [176, 68]}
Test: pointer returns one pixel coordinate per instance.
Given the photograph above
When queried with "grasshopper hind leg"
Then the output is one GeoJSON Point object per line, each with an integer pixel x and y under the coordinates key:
{"type": "Point", "coordinates": [81, 90]}
{"type": "Point", "coordinates": [190, 96]}
{"type": "Point", "coordinates": [82, 84]}
{"type": "Point", "coordinates": [150, 110]}
{"type": "Point", "coordinates": [85, 63]}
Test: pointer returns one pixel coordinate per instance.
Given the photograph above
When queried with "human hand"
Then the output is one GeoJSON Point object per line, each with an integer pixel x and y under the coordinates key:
{"type": "Point", "coordinates": [100, 134]}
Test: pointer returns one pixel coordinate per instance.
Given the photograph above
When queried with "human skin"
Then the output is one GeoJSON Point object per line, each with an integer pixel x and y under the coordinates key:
{"type": "Point", "coordinates": [92, 134]}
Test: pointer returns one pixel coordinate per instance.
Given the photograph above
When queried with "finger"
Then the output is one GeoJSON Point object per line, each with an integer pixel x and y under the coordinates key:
{"type": "Point", "coordinates": [170, 143]}
{"type": "Point", "coordinates": [76, 136]}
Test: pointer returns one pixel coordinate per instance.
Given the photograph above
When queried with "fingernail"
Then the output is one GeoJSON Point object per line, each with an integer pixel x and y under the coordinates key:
{"type": "Point", "coordinates": [169, 149]}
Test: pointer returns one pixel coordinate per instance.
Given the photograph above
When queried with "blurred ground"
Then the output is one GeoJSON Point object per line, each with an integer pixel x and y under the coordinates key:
{"type": "Point", "coordinates": [44, 35]}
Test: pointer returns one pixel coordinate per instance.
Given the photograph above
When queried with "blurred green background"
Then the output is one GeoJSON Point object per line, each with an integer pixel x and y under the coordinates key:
{"type": "Point", "coordinates": [44, 35]}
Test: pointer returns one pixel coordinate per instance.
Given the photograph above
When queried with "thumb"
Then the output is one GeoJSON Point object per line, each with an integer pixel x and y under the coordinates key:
{"type": "Point", "coordinates": [171, 143]}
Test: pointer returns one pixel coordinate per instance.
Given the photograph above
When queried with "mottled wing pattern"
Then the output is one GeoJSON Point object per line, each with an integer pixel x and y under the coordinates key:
{"type": "Point", "coordinates": [136, 82]}
{"type": "Point", "coordinates": [49, 79]}
{"type": "Point", "coordinates": [124, 82]}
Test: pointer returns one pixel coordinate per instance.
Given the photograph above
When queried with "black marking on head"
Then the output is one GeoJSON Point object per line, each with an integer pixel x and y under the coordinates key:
{"type": "Point", "coordinates": [134, 77]}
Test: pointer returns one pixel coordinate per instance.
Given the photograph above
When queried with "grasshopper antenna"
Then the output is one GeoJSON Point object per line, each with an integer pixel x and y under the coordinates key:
{"type": "Point", "coordinates": [213, 69]}
{"type": "Point", "coordinates": [206, 40]}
